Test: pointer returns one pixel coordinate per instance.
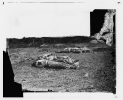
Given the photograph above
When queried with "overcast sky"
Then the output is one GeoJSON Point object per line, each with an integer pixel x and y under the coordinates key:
{"type": "Point", "coordinates": [46, 19]}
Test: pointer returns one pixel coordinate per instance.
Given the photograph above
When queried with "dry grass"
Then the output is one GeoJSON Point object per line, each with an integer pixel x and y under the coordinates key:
{"type": "Point", "coordinates": [38, 79]}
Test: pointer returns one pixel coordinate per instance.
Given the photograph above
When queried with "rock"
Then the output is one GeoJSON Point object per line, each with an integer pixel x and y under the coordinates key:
{"type": "Point", "coordinates": [86, 75]}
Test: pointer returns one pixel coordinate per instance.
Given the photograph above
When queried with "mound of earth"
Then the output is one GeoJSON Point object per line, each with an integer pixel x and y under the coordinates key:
{"type": "Point", "coordinates": [94, 41]}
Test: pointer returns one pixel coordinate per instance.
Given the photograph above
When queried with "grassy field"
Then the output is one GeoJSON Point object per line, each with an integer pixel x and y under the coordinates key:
{"type": "Point", "coordinates": [94, 75]}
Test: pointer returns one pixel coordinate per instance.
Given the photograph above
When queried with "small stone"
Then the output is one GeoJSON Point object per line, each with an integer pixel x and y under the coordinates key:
{"type": "Point", "coordinates": [86, 75]}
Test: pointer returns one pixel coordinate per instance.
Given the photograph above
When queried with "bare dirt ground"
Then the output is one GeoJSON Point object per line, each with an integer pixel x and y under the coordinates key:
{"type": "Point", "coordinates": [93, 75]}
